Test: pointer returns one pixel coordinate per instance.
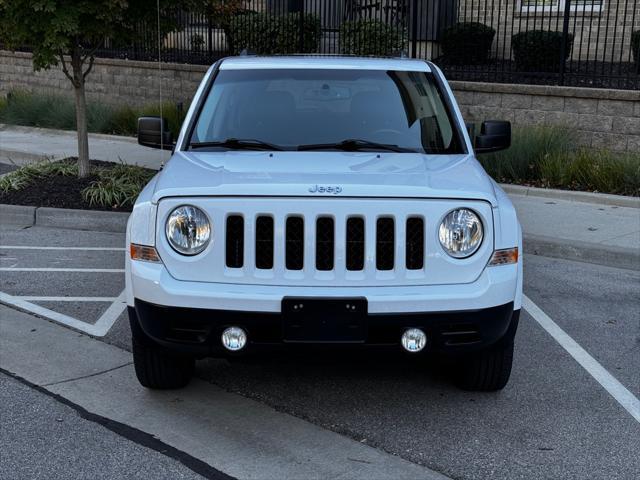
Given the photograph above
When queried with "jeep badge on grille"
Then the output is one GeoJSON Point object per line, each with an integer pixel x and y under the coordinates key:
{"type": "Point", "coordinates": [335, 189]}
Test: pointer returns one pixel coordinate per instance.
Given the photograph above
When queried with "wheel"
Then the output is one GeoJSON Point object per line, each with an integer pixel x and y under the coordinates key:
{"type": "Point", "coordinates": [488, 370]}
{"type": "Point", "coordinates": [156, 368]}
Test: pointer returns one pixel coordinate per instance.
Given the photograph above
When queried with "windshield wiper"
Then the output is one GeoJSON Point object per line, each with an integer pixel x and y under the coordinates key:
{"type": "Point", "coordinates": [352, 145]}
{"type": "Point", "coordinates": [237, 144]}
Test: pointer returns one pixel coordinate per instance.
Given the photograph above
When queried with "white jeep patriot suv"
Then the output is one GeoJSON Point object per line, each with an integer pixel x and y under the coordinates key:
{"type": "Point", "coordinates": [323, 200]}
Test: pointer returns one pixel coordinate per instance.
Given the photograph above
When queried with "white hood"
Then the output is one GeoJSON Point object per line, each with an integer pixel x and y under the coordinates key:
{"type": "Point", "coordinates": [295, 174]}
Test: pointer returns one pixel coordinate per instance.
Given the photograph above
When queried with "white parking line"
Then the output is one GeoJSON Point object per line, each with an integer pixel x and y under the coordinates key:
{"type": "Point", "coordinates": [30, 247]}
{"type": "Point", "coordinates": [618, 391]}
{"type": "Point", "coordinates": [98, 329]}
{"type": "Point", "coordinates": [86, 270]}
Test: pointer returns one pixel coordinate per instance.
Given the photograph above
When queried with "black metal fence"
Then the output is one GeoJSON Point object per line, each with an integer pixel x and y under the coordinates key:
{"type": "Point", "coordinates": [593, 43]}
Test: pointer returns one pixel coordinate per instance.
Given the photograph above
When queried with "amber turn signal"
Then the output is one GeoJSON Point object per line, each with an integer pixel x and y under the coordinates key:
{"type": "Point", "coordinates": [504, 257]}
{"type": "Point", "coordinates": [144, 253]}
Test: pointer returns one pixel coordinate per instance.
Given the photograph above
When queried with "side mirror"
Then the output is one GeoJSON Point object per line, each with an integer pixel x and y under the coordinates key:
{"type": "Point", "coordinates": [494, 135]}
{"type": "Point", "coordinates": [154, 132]}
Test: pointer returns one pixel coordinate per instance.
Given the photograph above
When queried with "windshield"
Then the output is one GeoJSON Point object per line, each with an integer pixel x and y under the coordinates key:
{"type": "Point", "coordinates": [314, 109]}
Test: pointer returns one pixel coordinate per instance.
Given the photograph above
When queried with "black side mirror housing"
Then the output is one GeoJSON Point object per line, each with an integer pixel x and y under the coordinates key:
{"type": "Point", "coordinates": [154, 132]}
{"type": "Point", "coordinates": [494, 135]}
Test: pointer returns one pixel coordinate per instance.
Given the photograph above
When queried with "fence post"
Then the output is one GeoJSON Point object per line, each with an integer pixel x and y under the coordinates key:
{"type": "Point", "coordinates": [301, 44]}
{"type": "Point", "coordinates": [565, 34]}
{"type": "Point", "coordinates": [209, 37]}
{"type": "Point", "coordinates": [414, 29]}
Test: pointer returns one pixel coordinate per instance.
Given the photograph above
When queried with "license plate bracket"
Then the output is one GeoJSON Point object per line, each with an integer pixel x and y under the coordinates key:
{"type": "Point", "coordinates": [326, 320]}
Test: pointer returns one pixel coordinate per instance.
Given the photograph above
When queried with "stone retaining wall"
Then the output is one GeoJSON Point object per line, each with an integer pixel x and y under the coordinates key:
{"type": "Point", "coordinates": [111, 81]}
{"type": "Point", "coordinates": [601, 118]}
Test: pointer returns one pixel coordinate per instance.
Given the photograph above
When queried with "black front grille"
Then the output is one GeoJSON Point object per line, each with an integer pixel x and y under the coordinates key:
{"type": "Point", "coordinates": [235, 241]}
{"type": "Point", "coordinates": [352, 242]}
{"type": "Point", "coordinates": [264, 242]}
{"type": "Point", "coordinates": [294, 251]}
{"type": "Point", "coordinates": [324, 243]}
{"type": "Point", "coordinates": [355, 243]}
{"type": "Point", "coordinates": [415, 243]}
{"type": "Point", "coordinates": [385, 243]}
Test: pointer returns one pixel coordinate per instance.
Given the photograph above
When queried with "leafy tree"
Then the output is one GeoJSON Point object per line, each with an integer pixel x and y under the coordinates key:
{"type": "Point", "coordinates": [222, 13]}
{"type": "Point", "coordinates": [70, 32]}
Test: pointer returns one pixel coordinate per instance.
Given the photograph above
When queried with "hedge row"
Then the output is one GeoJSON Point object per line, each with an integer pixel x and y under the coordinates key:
{"type": "Point", "coordinates": [269, 34]}
{"type": "Point", "coordinates": [469, 43]}
{"type": "Point", "coordinates": [464, 43]}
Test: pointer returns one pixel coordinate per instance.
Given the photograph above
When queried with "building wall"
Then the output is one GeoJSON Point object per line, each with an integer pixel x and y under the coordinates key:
{"type": "Point", "coordinates": [598, 35]}
{"type": "Point", "coordinates": [600, 118]}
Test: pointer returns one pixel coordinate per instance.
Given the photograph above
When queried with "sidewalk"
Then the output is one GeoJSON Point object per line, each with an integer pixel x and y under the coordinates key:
{"type": "Point", "coordinates": [582, 226]}
{"type": "Point", "coordinates": [22, 145]}
{"type": "Point", "coordinates": [590, 232]}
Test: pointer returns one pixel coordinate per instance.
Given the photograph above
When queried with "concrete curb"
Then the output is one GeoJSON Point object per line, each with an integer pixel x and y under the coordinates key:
{"type": "Point", "coordinates": [609, 256]}
{"type": "Point", "coordinates": [92, 220]}
{"type": "Point", "coordinates": [573, 196]}
{"type": "Point", "coordinates": [17, 215]}
{"type": "Point", "coordinates": [70, 133]}
{"type": "Point", "coordinates": [100, 221]}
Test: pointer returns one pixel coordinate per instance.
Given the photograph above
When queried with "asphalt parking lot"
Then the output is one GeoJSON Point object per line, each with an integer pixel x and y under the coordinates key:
{"type": "Point", "coordinates": [559, 417]}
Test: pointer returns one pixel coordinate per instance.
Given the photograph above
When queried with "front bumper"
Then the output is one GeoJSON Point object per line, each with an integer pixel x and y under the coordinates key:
{"type": "Point", "coordinates": [152, 283]}
{"type": "Point", "coordinates": [198, 331]}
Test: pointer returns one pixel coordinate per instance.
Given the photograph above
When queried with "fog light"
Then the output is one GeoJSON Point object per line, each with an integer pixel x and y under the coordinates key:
{"type": "Point", "coordinates": [413, 340]}
{"type": "Point", "coordinates": [234, 338]}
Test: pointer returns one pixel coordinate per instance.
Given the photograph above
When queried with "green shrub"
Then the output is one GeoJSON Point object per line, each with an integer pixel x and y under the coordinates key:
{"type": "Point", "coordinates": [58, 111]}
{"type": "Point", "coordinates": [124, 120]}
{"type": "Point", "coordinates": [118, 186]}
{"type": "Point", "coordinates": [50, 110]}
{"type": "Point", "coordinates": [28, 174]}
{"type": "Point", "coordinates": [539, 50]}
{"type": "Point", "coordinates": [593, 170]}
{"type": "Point", "coordinates": [521, 162]}
{"type": "Point", "coordinates": [269, 34]}
{"type": "Point", "coordinates": [371, 38]}
{"type": "Point", "coordinates": [635, 46]}
{"type": "Point", "coordinates": [547, 157]}
{"type": "Point", "coordinates": [467, 43]}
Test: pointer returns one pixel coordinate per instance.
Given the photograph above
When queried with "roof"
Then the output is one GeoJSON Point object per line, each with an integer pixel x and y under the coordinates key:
{"type": "Point", "coordinates": [324, 62]}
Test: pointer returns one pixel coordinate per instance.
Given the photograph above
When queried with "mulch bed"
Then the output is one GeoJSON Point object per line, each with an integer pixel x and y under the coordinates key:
{"type": "Point", "coordinates": [60, 192]}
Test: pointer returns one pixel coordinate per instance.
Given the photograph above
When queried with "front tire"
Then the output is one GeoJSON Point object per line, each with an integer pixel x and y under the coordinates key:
{"type": "Point", "coordinates": [488, 370]}
{"type": "Point", "coordinates": [155, 367]}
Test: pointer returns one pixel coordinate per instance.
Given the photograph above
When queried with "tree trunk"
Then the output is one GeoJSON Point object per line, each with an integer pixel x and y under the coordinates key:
{"type": "Point", "coordinates": [81, 127]}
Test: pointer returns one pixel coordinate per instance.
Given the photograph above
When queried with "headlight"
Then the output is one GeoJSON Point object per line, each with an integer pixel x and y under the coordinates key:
{"type": "Point", "coordinates": [188, 230]}
{"type": "Point", "coordinates": [461, 233]}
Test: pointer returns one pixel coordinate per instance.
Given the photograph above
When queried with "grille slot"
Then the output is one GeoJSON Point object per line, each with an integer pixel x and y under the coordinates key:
{"type": "Point", "coordinates": [264, 242]}
{"type": "Point", "coordinates": [355, 243]}
{"type": "Point", "coordinates": [415, 243]}
{"type": "Point", "coordinates": [464, 334]}
{"type": "Point", "coordinates": [186, 331]}
{"type": "Point", "coordinates": [294, 253]}
{"type": "Point", "coordinates": [235, 241]}
{"type": "Point", "coordinates": [324, 243]}
{"type": "Point", "coordinates": [385, 243]}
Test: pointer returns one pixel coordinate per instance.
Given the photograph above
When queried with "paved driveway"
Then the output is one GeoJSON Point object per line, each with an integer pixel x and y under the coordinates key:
{"type": "Point", "coordinates": [566, 413]}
